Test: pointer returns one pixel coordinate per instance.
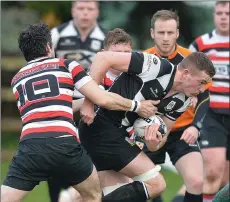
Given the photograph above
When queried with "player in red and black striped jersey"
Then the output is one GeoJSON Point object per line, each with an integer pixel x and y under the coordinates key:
{"type": "Point", "coordinates": [48, 146]}
{"type": "Point", "coordinates": [215, 131]}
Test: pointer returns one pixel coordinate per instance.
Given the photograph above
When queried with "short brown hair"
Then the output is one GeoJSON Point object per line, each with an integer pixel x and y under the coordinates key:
{"type": "Point", "coordinates": [198, 61]}
{"type": "Point", "coordinates": [165, 15]}
{"type": "Point", "coordinates": [96, 2]}
{"type": "Point", "coordinates": [117, 36]}
{"type": "Point", "coordinates": [222, 2]}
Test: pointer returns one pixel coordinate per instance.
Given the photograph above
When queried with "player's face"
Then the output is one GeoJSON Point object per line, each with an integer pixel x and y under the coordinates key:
{"type": "Point", "coordinates": [122, 47]}
{"type": "Point", "coordinates": [85, 14]}
{"type": "Point", "coordinates": [194, 83]}
{"type": "Point", "coordinates": [221, 18]}
{"type": "Point", "coordinates": [165, 34]}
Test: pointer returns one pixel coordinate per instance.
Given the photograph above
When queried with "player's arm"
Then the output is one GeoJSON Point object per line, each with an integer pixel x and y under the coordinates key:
{"type": "Point", "coordinates": [145, 65]}
{"type": "Point", "coordinates": [76, 104]}
{"type": "Point", "coordinates": [97, 95]}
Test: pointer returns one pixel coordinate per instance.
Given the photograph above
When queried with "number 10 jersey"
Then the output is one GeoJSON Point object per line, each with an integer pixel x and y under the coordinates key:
{"type": "Point", "coordinates": [43, 90]}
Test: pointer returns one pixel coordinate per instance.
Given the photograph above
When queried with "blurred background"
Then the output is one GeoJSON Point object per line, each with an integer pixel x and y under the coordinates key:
{"type": "Point", "coordinates": [133, 17]}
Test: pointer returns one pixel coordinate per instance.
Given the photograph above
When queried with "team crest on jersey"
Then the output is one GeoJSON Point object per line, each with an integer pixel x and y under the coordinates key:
{"type": "Point", "coordinates": [95, 45]}
{"type": "Point", "coordinates": [155, 61]}
{"type": "Point", "coordinates": [170, 106]}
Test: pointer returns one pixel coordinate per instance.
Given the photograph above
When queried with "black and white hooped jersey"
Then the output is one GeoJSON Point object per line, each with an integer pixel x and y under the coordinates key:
{"type": "Point", "coordinates": [67, 43]}
{"type": "Point", "coordinates": [148, 78]}
{"type": "Point", "coordinates": [43, 90]}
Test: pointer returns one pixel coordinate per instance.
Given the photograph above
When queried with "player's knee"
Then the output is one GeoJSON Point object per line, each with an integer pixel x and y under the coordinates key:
{"type": "Point", "coordinates": [194, 183]}
{"type": "Point", "coordinates": [154, 181]}
{"type": "Point", "coordinates": [213, 173]}
{"type": "Point", "coordinates": [156, 186]}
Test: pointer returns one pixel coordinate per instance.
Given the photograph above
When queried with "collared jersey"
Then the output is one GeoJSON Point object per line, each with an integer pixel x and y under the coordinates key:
{"type": "Point", "coordinates": [43, 90]}
{"type": "Point", "coordinates": [217, 48]}
{"type": "Point", "coordinates": [67, 43]}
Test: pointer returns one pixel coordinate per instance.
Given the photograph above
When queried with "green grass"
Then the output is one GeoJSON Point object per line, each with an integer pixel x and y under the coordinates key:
{"type": "Point", "coordinates": [40, 193]}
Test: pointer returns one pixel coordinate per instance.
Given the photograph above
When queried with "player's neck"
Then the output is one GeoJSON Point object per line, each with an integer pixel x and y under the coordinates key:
{"type": "Point", "coordinates": [84, 32]}
{"type": "Point", "coordinates": [224, 34]}
{"type": "Point", "coordinates": [164, 54]}
{"type": "Point", "coordinates": [176, 88]}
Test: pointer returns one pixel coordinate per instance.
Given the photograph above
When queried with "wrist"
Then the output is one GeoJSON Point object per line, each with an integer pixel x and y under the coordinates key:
{"type": "Point", "coordinates": [135, 107]}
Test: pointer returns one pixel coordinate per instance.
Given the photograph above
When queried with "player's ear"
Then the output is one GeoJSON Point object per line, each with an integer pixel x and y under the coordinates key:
{"type": "Point", "coordinates": [152, 33]}
{"type": "Point", "coordinates": [177, 33]}
{"type": "Point", "coordinates": [48, 48]}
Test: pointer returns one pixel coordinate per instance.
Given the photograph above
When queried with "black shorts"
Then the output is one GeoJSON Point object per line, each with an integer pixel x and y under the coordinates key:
{"type": "Point", "coordinates": [107, 144]}
{"type": "Point", "coordinates": [61, 159]}
{"type": "Point", "coordinates": [175, 147]}
{"type": "Point", "coordinates": [215, 130]}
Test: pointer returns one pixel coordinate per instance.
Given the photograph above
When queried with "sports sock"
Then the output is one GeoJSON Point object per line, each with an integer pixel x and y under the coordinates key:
{"type": "Point", "coordinates": [208, 197]}
{"type": "Point", "coordinates": [132, 192]}
{"type": "Point", "coordinates": [193, 197]}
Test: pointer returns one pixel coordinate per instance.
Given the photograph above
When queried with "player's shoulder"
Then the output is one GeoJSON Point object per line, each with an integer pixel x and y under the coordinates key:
{"type": "Point", "coordinates": [98, 33]}
{"type": "Point", "coordinates": [204, 37]}
{"type": "Point", "coordinates": [183, 51]}
{"type": "Point", "coordinates": [62, 27]}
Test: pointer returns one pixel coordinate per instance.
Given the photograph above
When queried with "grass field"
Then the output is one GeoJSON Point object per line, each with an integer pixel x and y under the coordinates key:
{"type": "Point", "coordinates": [40, 193]}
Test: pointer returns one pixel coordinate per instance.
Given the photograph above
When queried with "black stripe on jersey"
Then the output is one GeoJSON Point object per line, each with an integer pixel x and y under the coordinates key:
{"type": "Point", "coordinates": [177, 59]}
{"type": "Point", "coordinates": [55, 118]}
{"type": "Point", "coordinates": [67, 62]}
{"type": "Point", "coordinates": [205, 50]}
{"type": "Point", "coordinates": [79, 76]}
{"type": "Point", "coordinates": [165, 68]}
{"type": "Point", "coordinates": [67, 86]}
{"type": "Point", "coordinates": [170, 84]}
{"type": "Point", "coordinates": [136, 63]}
{"type": "Point", "coordinates": [61, 69]}
{"type": "Point", "coordinates": [195, 45]}
{"type": "Point", "coordinates": [62, 27]}
{"type": "Point", "coordinates": [210, 35]}
{"type": "Point", "coordinates": [44, 135]}
{"type": "Point", "coordinates": [221, 79]}
{"type": "Point", "coordinates": [45, 104]}
{"type": "Point", "coordinates": [219, 93]}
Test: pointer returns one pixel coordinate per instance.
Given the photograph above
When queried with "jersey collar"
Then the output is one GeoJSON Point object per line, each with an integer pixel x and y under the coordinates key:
{"type": "Point", "coordinates": [173, 55]}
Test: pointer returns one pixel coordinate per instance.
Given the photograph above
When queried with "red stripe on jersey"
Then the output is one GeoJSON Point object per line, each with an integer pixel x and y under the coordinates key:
{"type": "Point", "coordinates": [203, 46]}
{"type": "Point", "coordinates": [48, 129]}
{"type": "Point", "coordinates": [60, 97]}
{"type": "Point", "coordinates": [40, 82]}
{"type": "Point", "coordinates": [16, 95]}
{"type": "Point", "coordinates": [107, 81]}
{"type": "Point", "coordinates": [219, 89]}
{"type": "Point", "coordinates": [76, 70]}
{"type": "Point", "coordinates": [50, 114]}
{"type": "Point", "coordinates": [65, 80]}
{"type": "Point", "coordinates": [219, 105]}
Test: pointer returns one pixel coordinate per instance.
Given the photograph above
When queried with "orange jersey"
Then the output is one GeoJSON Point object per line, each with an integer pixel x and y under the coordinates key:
{"type": "Point", "coordinates": [176, 57]}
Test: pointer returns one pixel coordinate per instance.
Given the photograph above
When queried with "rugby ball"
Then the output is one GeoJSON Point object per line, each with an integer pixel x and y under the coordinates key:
{"type": "Point", "coordinates": [140, 124]}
